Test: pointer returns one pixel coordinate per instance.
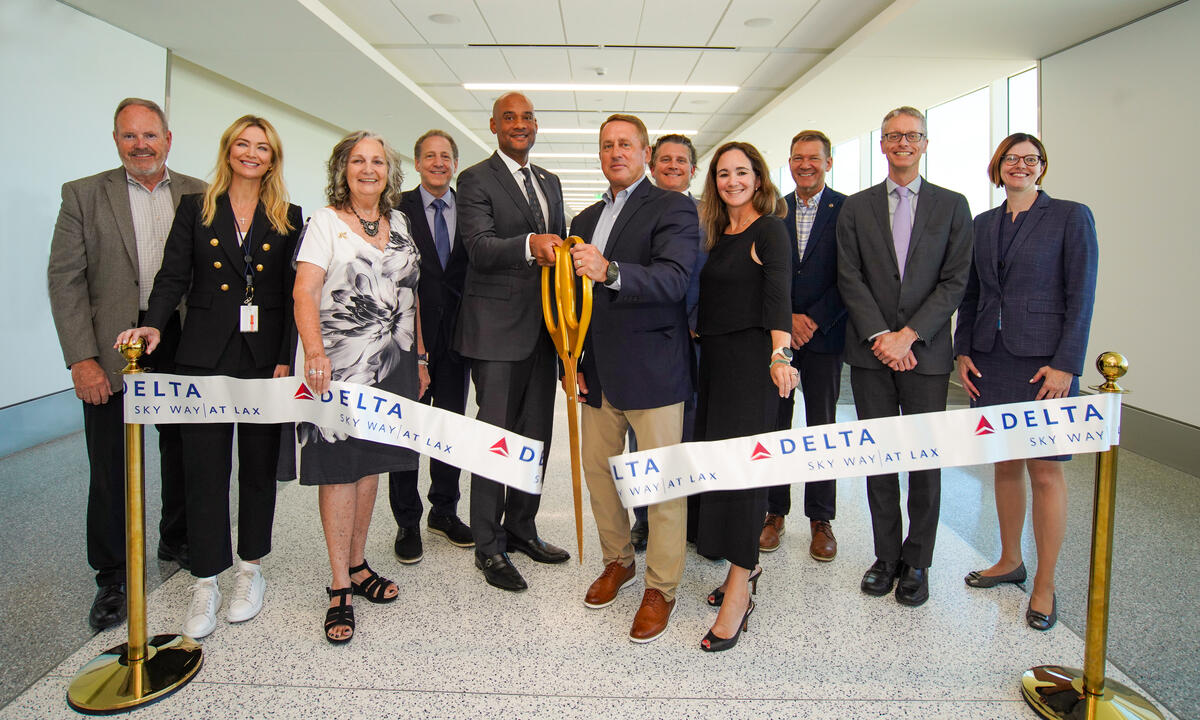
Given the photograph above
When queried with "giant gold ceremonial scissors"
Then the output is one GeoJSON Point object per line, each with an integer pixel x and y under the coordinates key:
{"type": "Point", "coordinates": [568, 328]}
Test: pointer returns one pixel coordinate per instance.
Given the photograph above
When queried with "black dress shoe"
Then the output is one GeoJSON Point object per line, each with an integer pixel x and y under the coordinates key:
{"type": "Point", "coordinates": [639, 534]}
{"type": "Point", "coordinates": [1038, 621]}
{"type": "Point", "coordinates": [451, 528]}
{"type": "Point", "coordinates": [912, 589]}
{"type": "Point", "coordinates": [878, 578]}
{"type": "Point", "coordinates": [108, 608]}
{"type": "Point", "coordinates": [177, 554]}
{"type": "Point", "coordinates": [977, 579]}
{"type": "Point", "coordinates": [408, 545]}
{"type": "Point", "coordinates": [539, 550]}
{"type": "Point", "coordinates": [499, 571]}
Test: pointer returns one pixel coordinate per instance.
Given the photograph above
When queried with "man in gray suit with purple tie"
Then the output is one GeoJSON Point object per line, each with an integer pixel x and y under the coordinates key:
{"type": "Point", "coordinates": [904, 251]}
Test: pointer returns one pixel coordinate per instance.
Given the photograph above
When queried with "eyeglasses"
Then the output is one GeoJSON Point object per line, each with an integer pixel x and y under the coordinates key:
{"type": "Point", "coordinates": [913, 137]}
{"type": "Point", "coordinates": [1030, 160]}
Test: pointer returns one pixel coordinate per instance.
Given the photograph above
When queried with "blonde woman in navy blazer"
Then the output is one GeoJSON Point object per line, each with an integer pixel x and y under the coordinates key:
{"type": "Point", "coordinates": [1022, 334]}
{"type": "Point", "coordinates": [241, 229]}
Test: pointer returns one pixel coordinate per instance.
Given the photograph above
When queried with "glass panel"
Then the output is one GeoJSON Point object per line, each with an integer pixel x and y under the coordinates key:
{"type": "Point", "coordinates": [960, 147]}
{"type": "Point", "coordinates": [878, 161]}
{"type": "Point", "coordinates": [845, 175]}
{"type": "Point", "coordinates": [1023, 102]}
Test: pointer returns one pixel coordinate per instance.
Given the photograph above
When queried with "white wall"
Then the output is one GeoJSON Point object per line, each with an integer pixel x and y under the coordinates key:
{"type": "Point", "coordinates": [203, 104]}
{"type": "Point", "coordinates": [64, 73]}
{"type": "Point", "coordinates": [1119, 122]}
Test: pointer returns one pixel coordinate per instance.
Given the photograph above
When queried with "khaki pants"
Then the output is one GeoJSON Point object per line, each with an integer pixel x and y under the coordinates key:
{"type": "Point", "coordinates": [604, 436]}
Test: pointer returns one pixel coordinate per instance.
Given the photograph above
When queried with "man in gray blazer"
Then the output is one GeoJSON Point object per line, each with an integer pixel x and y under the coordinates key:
{"type": "Point", "coordinates": [904, 250]}
{"type": "Point", "coordinates": [107, 248]}
{"type": "Point", "coordinates": [510, 216]}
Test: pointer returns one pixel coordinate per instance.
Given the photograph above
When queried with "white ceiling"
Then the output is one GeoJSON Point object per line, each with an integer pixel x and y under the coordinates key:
{"type": "Point", "coordinates": [398, 66]}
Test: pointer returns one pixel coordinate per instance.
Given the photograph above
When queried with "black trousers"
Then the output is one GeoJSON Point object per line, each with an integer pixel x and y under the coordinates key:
{"type": "Point", "coordinates": [448, 381]}
{"type": "Point", "coordinates": [517, 396]}
{"type": "Point", "coordinates": [820, 384]}
{"type": "Point", "coordinates": [208, 462]}
{"type": "Point", "coordinates": [886, 393]}
{"type": "Point", "coordinates": [104, 433]}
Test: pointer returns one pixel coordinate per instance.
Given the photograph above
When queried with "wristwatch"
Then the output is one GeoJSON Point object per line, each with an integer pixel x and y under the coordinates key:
{"type": "Point", "coordinates": [422, 359]}
{"type": "Point", "coordinates": [785, 352]}
{"type": "Point", "coordinates": [613, 273]}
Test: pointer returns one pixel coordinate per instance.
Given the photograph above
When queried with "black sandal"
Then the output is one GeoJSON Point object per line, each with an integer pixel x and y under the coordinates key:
{"type": "Point", "coordinates": [340, 615]}
{"type": "Point", "coordinates": [374, 587]}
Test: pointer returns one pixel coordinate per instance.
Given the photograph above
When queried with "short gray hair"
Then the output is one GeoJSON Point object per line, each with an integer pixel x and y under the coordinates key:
{"type": "Point", "coordinates": [905, 110]}
{"type": "Point", "coordinates": [142, 102]}
{"type": "Point", "coordinates": [337, 192]}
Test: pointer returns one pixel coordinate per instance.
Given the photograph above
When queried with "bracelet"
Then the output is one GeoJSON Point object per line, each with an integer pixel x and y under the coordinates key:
{"type": "Point", "coordinates": [423, 363]}
{"type": "Point", "coordinates": [780, 361]}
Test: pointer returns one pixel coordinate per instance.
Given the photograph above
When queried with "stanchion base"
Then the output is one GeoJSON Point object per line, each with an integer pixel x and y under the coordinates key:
{"type": "Point", "coordinates": [1056, 692]}
{"type": "Point", "coordinates": [111, 683]}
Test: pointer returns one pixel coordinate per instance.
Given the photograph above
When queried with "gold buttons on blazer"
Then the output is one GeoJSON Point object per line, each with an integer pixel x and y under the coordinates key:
{"type": "Point", "coordinates": [214, 242]}
{"type": "Point", "coordinates": [217, 264]}
{"type": "Point", "coordinates": [266, 246]}
{"type": "Point", "coordinates": [258, 267]}
{"type": "Point", "coordinates": [224, 287]}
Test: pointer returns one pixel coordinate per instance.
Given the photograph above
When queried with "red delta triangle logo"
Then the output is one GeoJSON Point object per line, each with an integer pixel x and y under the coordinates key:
{"type": "Point", "coordinates": [303, 393]}
{"type": "Point", "coordinates": [500, 447]}
{"type": "Point", "coordinates": [760, 452]}
{"type": "Point", "coordinates": [984, 427]}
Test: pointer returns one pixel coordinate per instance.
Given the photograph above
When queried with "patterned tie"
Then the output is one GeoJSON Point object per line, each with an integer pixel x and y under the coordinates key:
{"type": "Point", "coordinates": [441, 232]}
{"type": "Point", "coordinates": [902, 227]}
{"type": "Point", "coordinates": [534, 205]}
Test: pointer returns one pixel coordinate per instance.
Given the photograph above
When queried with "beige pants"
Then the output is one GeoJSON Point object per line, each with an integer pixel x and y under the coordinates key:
{"type": "Point", "coordinates": [604, 436]}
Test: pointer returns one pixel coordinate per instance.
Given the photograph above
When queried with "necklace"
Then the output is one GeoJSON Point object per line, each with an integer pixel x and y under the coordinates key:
{"type": "Point", "coordinates": [370, 227]}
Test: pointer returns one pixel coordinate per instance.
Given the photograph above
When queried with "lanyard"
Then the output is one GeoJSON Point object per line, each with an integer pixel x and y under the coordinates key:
{"type": "Point", "coordinates": [247, 263]}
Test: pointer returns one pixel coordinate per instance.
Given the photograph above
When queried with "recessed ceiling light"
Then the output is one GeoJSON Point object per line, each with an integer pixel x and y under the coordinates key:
{"type": "Point", "coordinates": [759, 22]}
{"type": "Point", "coordinates": [444, 18]}
{"type": "Point", "coordinates": [596, 131]}
{"type": "Point", "coordinates": [602, 87]}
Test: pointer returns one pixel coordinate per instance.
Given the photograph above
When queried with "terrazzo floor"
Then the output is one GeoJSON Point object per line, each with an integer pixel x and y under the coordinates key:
{"type": "Point", "coordinates": [453, 647]}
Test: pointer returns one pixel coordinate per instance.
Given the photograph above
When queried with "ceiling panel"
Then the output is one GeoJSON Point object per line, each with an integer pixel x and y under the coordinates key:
{"type": "Point", "coordinates": [783, 14]}
{"type": "Point", "coordinates": [617, 65]}
{"type": "Point", "coordinates": [421, 64]}
{"type": "Point", "coordinates": [698, 102]}
{"type": "Point", "coordinates": [781, 69]}
{"type": "Point", "coordinates": [723, 123]}
{"type": "Point", "coordinates": [539, 64]}
{"type": "Point", "coordinates": [831, 22]}
{"type": "Point", "coordinates": [747, 101]}
{"type": "Point", "coordinates": [454, 98]}
{"type": "Point", "coordinates": [603, 102]}
{"type": "Point", "coordinates": [726, 67]}
{"type": "Point", "coordinates": [680, 22]}
{"type": "Point", "coordinates": [469, 27]}
{"type": "Point", "coordinates": [611, 22]}
{"type": "Point", "coordinates": [477, 64]}
{"type": "Point", "coordinates": [640, 102]}
{"type": "Point", "coordinates": [378, 21]}
{"type": "Point", "coordinates": [663, 66]}
{"type": "Point", "coordinates": [527, 21]}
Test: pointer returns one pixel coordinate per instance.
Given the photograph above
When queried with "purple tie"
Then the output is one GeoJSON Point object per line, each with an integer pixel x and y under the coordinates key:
{"type": "Point", "coordinates": [902, 227]}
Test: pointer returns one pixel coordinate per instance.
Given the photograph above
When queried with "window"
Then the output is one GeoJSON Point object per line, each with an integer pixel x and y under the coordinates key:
{"type": "Point", "coordinates": [960, 147]}
{"type": "Point", "coordinates": [845, 176]}
{"type": "Point", "coordinates": [1023, 102]}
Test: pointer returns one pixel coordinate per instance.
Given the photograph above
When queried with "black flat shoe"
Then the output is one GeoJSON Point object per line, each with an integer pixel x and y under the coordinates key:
{"type": "Point", "coordinates": [499, 571]}
{"type": "Point", "coordinates": [108, 608]}
{"type": "Point", "coordinates": [976, 579]}
{"type": "Point", "coordinates": [538, 550]}
{"type": "Point", "coordinates": [878, 578]}
{"type": "Point", "coordinates": [716, 597]}
{"type": "Point", "coordinates": [408, 546]}
{"type": "Point", "coordinates": [712, 643]}
{"type": "Point", "coordinates": [374, 586]}
{"type": "Point", "coordinates": [1038, 621]}
{"type": "Point", "coordinates": [912, 587]}
{"type": "Point", "coordinates": [340, 615]}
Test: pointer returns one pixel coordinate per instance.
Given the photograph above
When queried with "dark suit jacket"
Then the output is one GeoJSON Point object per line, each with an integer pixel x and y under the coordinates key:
{"type": "Point", "coordinates": [440, 289]}
{"type": "Point", "coordinates": [1042, 290]}
{"type": "Point", "coordinates": [935, 274]}
{"type": "Point", "coordinates": [212, 276]}
{"type": "Point", "coordinates": [501, 315]}
{"type": "Point", "coordinates": [93, 269]}
{"type": "Point", "coordinates": [814, 276]}
{"type": "Point", "coordinates": [638, 351]}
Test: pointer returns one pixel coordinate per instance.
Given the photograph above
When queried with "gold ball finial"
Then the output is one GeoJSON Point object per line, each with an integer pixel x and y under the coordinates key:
{"type": "Point", "coordinates": [131, 352]}
{"type": "Point", "coordinates": [1112, 365]}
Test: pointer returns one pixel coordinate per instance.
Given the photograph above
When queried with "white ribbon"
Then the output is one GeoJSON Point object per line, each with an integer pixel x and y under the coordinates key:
{"type": "Point", "coordinates": [871, 447]}
{"type": "Point", "coordinates": [356, 410]}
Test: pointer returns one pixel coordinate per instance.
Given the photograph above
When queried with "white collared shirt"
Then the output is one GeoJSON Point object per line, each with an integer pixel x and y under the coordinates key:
{"type": "Point", "coordinates": [153, 212]}
{"type": "Point", "coordinates": [914, 189]}
{"type": "Point", "coordinates": [515, 169]}
{"type": "Point", "coordinates": [608, 217]}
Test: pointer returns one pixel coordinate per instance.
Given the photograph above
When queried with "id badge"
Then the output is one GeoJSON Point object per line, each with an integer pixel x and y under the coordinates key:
{"type": "Point", "coordinates": [249, 318]}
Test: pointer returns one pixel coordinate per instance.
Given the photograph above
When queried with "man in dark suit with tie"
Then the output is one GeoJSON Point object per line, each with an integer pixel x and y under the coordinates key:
{"type": "Point", "coordinates": [904, 251]}
{"type": "Point", "coordinates": [107, 247]}
{"type": "Point", "coordinates": [642, 243]}
{"type": "Point", "coordinates": [818, 332]}
{"type": "Point", "coordinates": [511, 219]}
{"type": "Point", "coordinates": [432, 215]}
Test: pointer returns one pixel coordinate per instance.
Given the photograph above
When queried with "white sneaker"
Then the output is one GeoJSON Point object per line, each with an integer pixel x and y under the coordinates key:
{"type": "Point", "coordinates": [249, 586]}
{"type": "Point", "coordinates": [201, 617]}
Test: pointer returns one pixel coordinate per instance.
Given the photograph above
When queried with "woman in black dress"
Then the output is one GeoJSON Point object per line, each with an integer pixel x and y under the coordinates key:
{"type": "Point", "coordinates": [744, 324]}
{"type": "Point", "coordinates": [230, 249]}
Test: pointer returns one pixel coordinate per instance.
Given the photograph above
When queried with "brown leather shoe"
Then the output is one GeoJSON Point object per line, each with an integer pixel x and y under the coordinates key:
{"type": "Point", "coordinates": [772, 530]}
{"type": "Point", "coordinates": [604, 590]}
{"type": "Point", "coordinates": [824, 544]}
{"type": "Point", "coordinates": [652, 617]}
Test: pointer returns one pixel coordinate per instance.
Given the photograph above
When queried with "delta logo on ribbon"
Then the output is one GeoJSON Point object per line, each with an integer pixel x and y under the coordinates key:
{"type": "Point", "coordinates": [303, 393]}
{"type": "Point", "coordinates": [500, 447]}
{"type": "Point", "coordinates": [984, 427]}
{"type": "Point", "coordinates": [760, 452]}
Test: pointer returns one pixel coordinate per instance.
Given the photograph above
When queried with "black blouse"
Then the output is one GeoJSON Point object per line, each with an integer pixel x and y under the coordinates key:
{"type": "Point", "coordinates": [737, 293]}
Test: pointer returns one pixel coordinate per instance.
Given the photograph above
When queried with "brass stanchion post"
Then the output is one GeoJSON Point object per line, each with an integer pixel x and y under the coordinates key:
{"type": "Point", "coordinates": [1058, 692]}
{"type": "Point", "coordinates": [139, 671]}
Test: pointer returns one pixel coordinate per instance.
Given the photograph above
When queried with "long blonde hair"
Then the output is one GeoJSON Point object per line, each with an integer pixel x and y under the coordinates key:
{"type": "Point", "coordinates": [272, 193]}
{"type": "Point", "coordinates": [714, 216]}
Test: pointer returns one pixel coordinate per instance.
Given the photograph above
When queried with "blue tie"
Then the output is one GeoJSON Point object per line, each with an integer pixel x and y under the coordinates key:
{"type": "Point", "coordinates": [441, 232]}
